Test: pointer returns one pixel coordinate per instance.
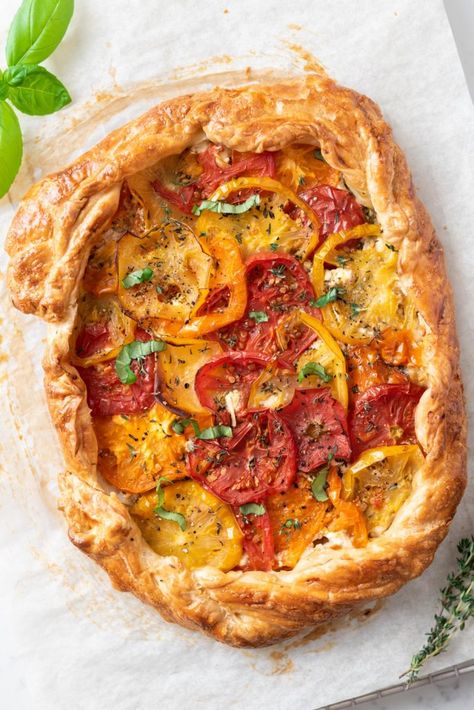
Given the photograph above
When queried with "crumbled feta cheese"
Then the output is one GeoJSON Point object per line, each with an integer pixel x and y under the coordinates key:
{"type": "Point", "coordinates": [339, 277]}
{"type": "Point", "coordinates": [232, 402]}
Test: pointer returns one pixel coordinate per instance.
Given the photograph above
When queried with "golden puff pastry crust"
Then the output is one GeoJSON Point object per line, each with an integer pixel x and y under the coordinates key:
{"type": "Point", "coordinates": [49, 242]}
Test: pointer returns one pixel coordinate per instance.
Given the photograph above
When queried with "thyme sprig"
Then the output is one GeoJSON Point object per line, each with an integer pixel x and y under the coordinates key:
{"type": "Point", "coordinates": [457, 607]}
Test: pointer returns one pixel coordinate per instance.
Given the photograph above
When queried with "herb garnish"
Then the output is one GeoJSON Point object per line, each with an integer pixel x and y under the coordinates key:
{"type": "Point", "coordinates": [258, 316]}
{"type": "Point", "coordinates": [318, 485]}
{"type": "Point", "coordinates": [226, 207]}
{"type": "Point", "coordinates": [137, 350]}
{"type": "Point", "coordinates": [137, 277]}
{"type": "Point", "coordinates": [162, 512]}
{"type": "Point", "coordinates": [290, 523]}
{"type": "Point", "coordinates": [457, 606]}
{"type": "Point", "coordinates": [37, 29]}
{"type": "Point", "coordinates": [212, 432]}
{"type": "Point", "coordinates": [332, 295]}
{"type": "Point", "coordinates": [318, 155]}
{"type": "Point", "coordinates": [278, 270]}
{"type": "Point", "coordinates": [253, 509]}
{"type": "Point", "coordinates": [273, 246]}
{"type": "Point", "coordinates": [391, 247]}
{"type": "Point", "coordinates": [314, 368]}
{"type": "Point", "coordinates": [356, 309]}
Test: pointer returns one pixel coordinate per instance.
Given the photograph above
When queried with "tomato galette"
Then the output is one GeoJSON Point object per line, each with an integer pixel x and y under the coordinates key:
{"type": "Point", "coordinates": [252, 362]}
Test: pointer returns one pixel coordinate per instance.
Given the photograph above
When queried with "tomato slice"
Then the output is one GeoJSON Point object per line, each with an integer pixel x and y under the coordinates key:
{"type": "Point", "coordinates": [258, 540]}
{"type": "Point", "coordinates": [217, 166]}
{"type": "Point", "coordinates": [102, 329]}
{"type": "Point", "coordinates": [135, 450]}
{"type": "Point", "coordinates": [106, 395]}
{"type": "Point", "coordinates": [276, 284]}
{"type": "Point", "coordinates": [384, 415]}
{"type": "Point", "coordinates": [336, 209]}
{"type": "Point", "coordinates": [223, 384]}
{"type": "Point", "coordinates": [319, 425]}
{"type": "Point", "coordinates": [301, 167]}
{"type": "Point", "coordinates": [365, 368]}
{"type": "Point", "coordinates": [258, 460]}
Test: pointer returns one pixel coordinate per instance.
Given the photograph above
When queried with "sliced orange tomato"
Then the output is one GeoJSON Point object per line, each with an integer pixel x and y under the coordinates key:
{"type": "Point", "coordinates": [177, 366]}
{"type": "Point", "coordinates": [365, 368]}
{"type": "Point", "coordinates": [101, 330]}
{"type": "Point", "coordinates": [181, 270]}
{"type": "Point", "coordinates": [297, 519]}
{"type": "Point", "coordinates": [136, 449]}
{"type": "Point", "coordinates": [272, 389]}
{"type": "Point", "coordinates": [299, 167]}
{"type": "Point", "coordinates": [229, 274]}
{"type": "Point", "coordinates": [211, 535]}
{"type": "Point", "coordinates": [326, 352]}
{"type": "Point", "coordinates": [267, 224]}
{"type": "Point", "coordinates": [380, 481]}
{"type": "Point", "coordinates": [369, 298]}
{"type": "Point", "coordinates": [346, 515]}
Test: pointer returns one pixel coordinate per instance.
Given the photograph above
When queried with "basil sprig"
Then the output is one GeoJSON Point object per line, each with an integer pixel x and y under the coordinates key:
{"type": "Point", "coordinates": [37, 29]}
{"type": "Point", "coordinates": [318, 485]}
{"type": "Point", "coordinates": [253, 509]}
{"type": "Point", "coordinates": [135, 351]}
{"type": "Point", "coordinates": [258, 316]}
{"type": "Point", "coordinates": [137, 277]}
{"type": "Point", "coordinates": [161, 512]}
{"type": "Point", "coordinates": [226, 207]}
{"type": "Point", "coordinates": [314, 368]}
{"type": "Point", "coordinates": [212, 432]}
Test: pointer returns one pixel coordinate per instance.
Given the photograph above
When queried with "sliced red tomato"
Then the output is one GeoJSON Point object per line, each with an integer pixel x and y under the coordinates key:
{"type": "Point", "coordinates": [258, 540]}
{"type": "Point", "coordinates": [93, 338]}
{"type": "Point", "coordinates": [106, 395]}
{"type": "Point", "coordinates": [223, 384]}
{"type": "Point", "coordinates": [336, 209]}
{"type": "Point", "coordinates": [384, 415]}
{"type": "Point", "coordinates": [258, 460]}
{"type": "Point", "coordinates": [276, 284]}
{"type": "Point", "coordinates": [319, 425]}
{"type": "Point", "coordinates": [215, 172]}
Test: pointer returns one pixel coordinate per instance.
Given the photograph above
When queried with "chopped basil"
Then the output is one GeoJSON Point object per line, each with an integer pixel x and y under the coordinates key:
{"type": "Point", "coordinates": [158, 289]}
{"type": "Point", "coordinates": [162, 512]}
{"type": "Point", "coordinates": [273, 246]}
{"type": "Point", "coordinates": [391, 247]}
{"type": "Point", "coordinates": [314, 368]}
{"type": "Point", "coordinates": [133, 451]}
{"type": "Point", "coordinates": [291, 523]}
{"type": "Point", "coordinates": [135, 351]}
{"type": "Point", "coordinates": [226, 207]}
{"type": "Point", "coordinates": [279, 270]}
{"type": "Point", "coordinates": [137, 277]}
{"type": "Point", "coordinates": [258, 316]}
{"type": "Point", "coordinates": [215, 432]}
{"type": "Point", "coordinates": [253, 509]}
{"type": "Point", "coordinates": [331, 295]}
{"type": "Point", "coordinates": [341, 259]}
{"type": "Point", "coordinates": [318, 485]}
{"type": "Point", "coordinates": [301, 180]}
{"type": "Point", "coordinates": [356, 309]}
{"type": "Point", "coordinates": [318, 155]}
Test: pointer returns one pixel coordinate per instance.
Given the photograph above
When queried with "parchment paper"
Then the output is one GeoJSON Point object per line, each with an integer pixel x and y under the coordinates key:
{"type": "Point", "coordinates": [76, 642]}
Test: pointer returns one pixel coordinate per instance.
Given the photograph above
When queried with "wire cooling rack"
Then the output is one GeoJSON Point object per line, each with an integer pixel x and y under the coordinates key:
{"type": "Point", "coordinates": [445, 674]}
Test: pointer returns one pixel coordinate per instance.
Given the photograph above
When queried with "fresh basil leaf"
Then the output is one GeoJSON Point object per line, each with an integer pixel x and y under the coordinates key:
{"type": "Point", "coordinates": [37, 29]}
{"type": "Point", "coordinates": [135, 351]}
{"type": "Point", "coordinates": [33, 90]}
{"type": "Point", "coordinates": [314, 368]}
{"type": "Point", "coordinates": [3, 88]}
{"type": "Point", "coordinates": [215, 432]}
{"type": "Point", "coordinates": [226, 207]}
{"type": "Point", "coordinates": [253, 509]}
{"type": "Point", "coordinates": [179, 425]}
{"type": "Point", "coordinates": [11, 147]}
{"type": "Point", "coordinates": [137, 277]}
{"type": "Point", "coordinates": [331, 295]}
{"type": "Point", "coordinates": [171, 515]}
{"type": "Point", "coordinates": [318, 485]}
{"type": "Point", "coordinates": [162, 512]}
{"type": "Point", "coordinates": [258, 316]}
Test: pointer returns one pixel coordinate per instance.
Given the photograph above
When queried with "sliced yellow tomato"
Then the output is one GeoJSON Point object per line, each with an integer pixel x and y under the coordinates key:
{"type": "Point", "coordinates": [177, 366]}
{"type": "Point", "coordinates": [298, 168]}
{"type": "Point", "coordinates": [136, 449]}
{"type": "Point", "coordinates": [326, 352]}
{"type": "Point", "coordinates": [369, 298]}
{"type": "Point", "coordinates": [296, 519]}
{"type": "Point", "coordinates": [268, 223]}
{"type": "Point", "coordinates": [273, 389]}
{"type": "Point", "coordinates": [101, 330]}
{"type": "Point", "coordinates": [181, 272]}
{"type": "Point", "coordinates": [380, 480]}
{"type": "Point", "coordinates": [346, 515]}
{"type": "Point", "coordinates": [211, 535]}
